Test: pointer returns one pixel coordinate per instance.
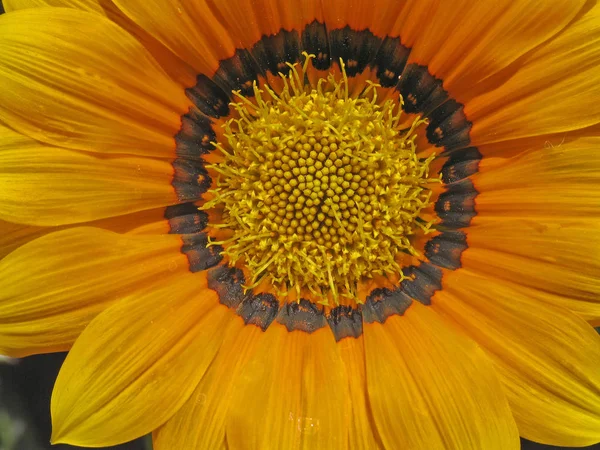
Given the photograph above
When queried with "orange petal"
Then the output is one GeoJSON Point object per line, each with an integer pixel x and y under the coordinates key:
{"type": "Point", "coordinates": [296, 388]}
{"type": "Point", "coordinates": [465, 42]}
{"type": "Point", "coordinates": [546, 357]}
{"type": "Point", "coordinates": [176, 68]}
{"type": "Point", "coordinates": [545, 181]}
{"type": "Point", "coordinates": [377, 15]}
{"type": "Point", "coordinates": [200, 423]}
{"type": "Point", "coordinates": [249, 20]}
{"type": "Point", "coordinates": [49, 186]}
{"type": "Point", "coordinates": [363, 433]}
{"type": "Point", "coordinates": [13, 235]}
{"type": "Point", "coordinates": [52, 287]}
{"type": "Point", "coordinates": [430, 387]}
{"type": "Point", "coordinates": [147, 222]}
{"type": "Point", "coordinates": [137, 363]}
{"type": "Point", "coordinates": [75, 79]}
{"type": "Point", "coordinates": [554, 88]}
{"type": "Point", "coordinates": [189, 29]}
{"type": "Point", "coordinates": [555, 260]}
{"type": "Point", "coordinates": [85, 5]}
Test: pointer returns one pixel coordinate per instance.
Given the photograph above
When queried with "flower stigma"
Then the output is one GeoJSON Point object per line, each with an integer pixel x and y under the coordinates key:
{"type": "Point", "coordinates": [320, 190]}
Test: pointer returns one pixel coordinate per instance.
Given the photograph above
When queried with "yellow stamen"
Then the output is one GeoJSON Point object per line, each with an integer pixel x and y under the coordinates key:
{"type": "Point", "coordinates": [327, 188]}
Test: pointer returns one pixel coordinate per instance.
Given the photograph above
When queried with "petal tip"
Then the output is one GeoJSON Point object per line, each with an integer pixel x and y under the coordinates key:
{"type": "Point", "coordinates": [57, 438]}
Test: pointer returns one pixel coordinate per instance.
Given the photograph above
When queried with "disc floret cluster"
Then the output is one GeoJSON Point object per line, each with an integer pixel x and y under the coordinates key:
{"type": "Point", "coordinates": [319, 190]}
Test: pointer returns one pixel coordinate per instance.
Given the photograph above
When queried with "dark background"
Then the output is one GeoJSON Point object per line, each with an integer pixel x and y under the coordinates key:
{"type": "Point", "coordinates": [25, 388]}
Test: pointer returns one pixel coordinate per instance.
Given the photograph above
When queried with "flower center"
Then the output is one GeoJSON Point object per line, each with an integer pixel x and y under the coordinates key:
{"type": "Point", "coordinates": [318, 190]}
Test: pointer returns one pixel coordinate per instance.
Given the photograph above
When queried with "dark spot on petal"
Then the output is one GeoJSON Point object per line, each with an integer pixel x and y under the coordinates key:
{"type": "Point", "coordinates": [185, 218]}
{"type": "Point", "coordinates": [238, 73]}
{"type": "Point", "coordinates": [456, 206]}
{"type": "Point", "coordinates": [437, 97]}
{"type": "Point", "coordinates": [209, 98]}
{"type": "Point", "coordinates": [421, 91]}
{"type": "Point", "coordinates": [460, 139]}
{"type": "Point", "coordinates": [344, 322]}
{"type": "Point", "coordinates": [315, 41]}
{"type": "Point", "coordinates": [446, 249]}
{"type": "Point", "coordinates": [426, 279]}
{"type": "Point", "coordinates": [200, 256]}
{"type": "Point", "coordinates": [390, 61]}
{"type": "Point", "coordinates": [275, 51]}
{"type": "Point", "coordinates": [195, 136]}
{"type": "Point", "coordinates": [302, 316]}
{"type": "Point", "coordinates": [259, 310]}
{"type": "Point", "coordinates": [190, 179]}
{"type": "Point", "coordinates": [461, 164]}
{"type": "Point", "coordinates": [383, 303]}
{"type": "Point", "coordinates": [356, 48]}
{"type": "Point", "coordinates": [228, 283]}
{"type": "Point", "coordinates": [448, 126]}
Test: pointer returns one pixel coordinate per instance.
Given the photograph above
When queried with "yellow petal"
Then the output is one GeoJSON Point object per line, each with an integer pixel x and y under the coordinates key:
{"type": "Point", "coordinates": [13, 235]}
{"type": "Point", "coordinates": [538, 221]}
{"type": "Point", "coordinates": [147, 222]}
{"type": "Point", "coordinates": [176, 68]}
{"type": "Point", "coordinates": [177, 26]}
{"type": "Point", "coordinates": [292, 395]}
{"type": "Point", "coordinates": [546, 357]}
{"type": "Point", "coordinates": [431, 388]}
{"type": "Point", "coordinates": [545, 180]}
{"type": "Point", "coordinates": [555, 260]}
{"type": "Point", "coordinates": [151, 221]}
{"type": "Point", "coordinates": [85, 5]}
{"type": "Point", "coordinates": [137, 363]}
{"type": "Point", "coordinates": [200, 423]}
{"type": "Point", "coordinates": [52, 287]}
{"type": "Point", "coordinates": [554, 88]}
{"type": "Point", "coordinates": [363, 433]}
{"type": "Point", "coordinates": [48, 186]}
{"type": "Point", "coordinates": [77, 80]}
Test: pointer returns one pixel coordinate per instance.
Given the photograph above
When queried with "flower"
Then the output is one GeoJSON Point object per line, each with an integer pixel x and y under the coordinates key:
{"type": "Point", "coordinates": [322, 225]}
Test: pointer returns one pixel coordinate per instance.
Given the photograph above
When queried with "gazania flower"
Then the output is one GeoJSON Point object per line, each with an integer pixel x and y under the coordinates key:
{"type": "Point", "coordinates": [272, 224]}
